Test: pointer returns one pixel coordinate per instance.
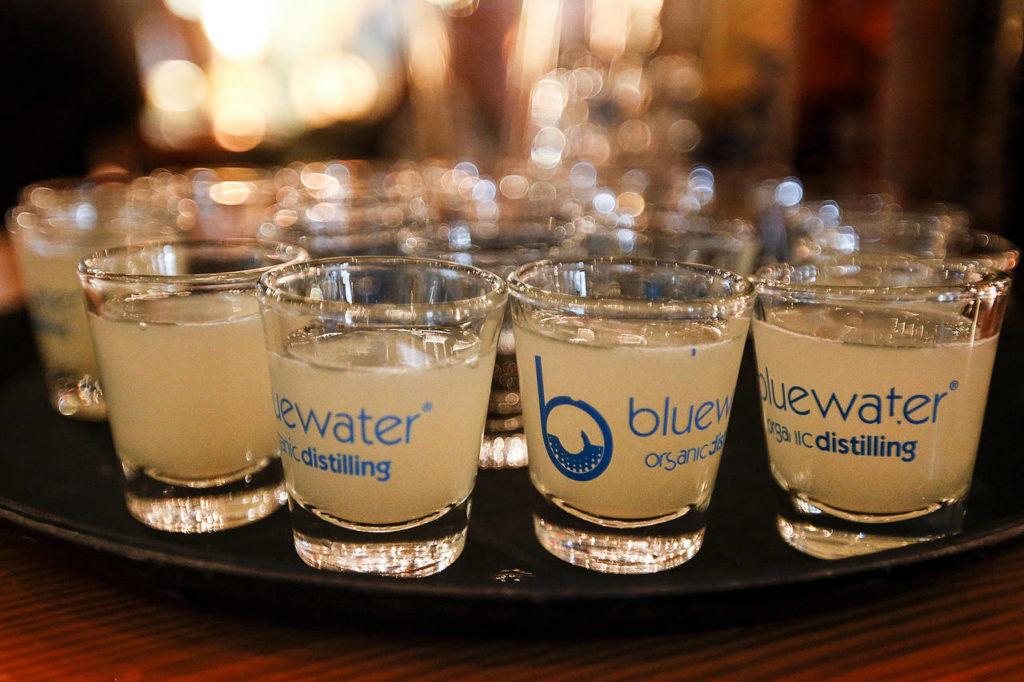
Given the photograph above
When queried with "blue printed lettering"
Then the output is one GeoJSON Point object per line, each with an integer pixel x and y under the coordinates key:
{"type": "Point", "coordinates": [385, 425]}
{"type": "Point", "coordinates": [914, 404]}
{"type": "Point", "coordinates": [833, 400]}
{"type": "Point", "coordinates": [871, 402]}
{"type": "Point", "coordinates": [672, 460]}
{"type": "Point", "coordinates": [646, 421]}
{"type": "Point", "coordinates": [702, 415]}
{"type": "Point", "coordinates": [865, 407]}
{"type": "Point", "coordinates": [801, 393]}
{"type": "Point", "coordinates": [633, 412]}
{"type": "Point", "coordinates": [311, 418]}
{"type": "Point", "coordinates": [341, 426]}
{"type": "Point", "coordinates": [344, 428]}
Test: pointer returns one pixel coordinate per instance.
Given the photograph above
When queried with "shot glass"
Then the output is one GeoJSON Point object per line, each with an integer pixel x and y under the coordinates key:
{"type": "Point", "coordinates": [56, 224]}
{"type": "Point", "coordinates": [729, 244]}
{"type": "Point", "coordinates": [873, 373]}
{"type": "Point", "coordinates": [984, 249]}
{"type": "Point", "coordinates": [941, 232]}
{"type": "Point", "coordinates": [180, 345]}
{"type": "Point", "coordinates": [627, 369]}
{"type": "Point", "coordinates": [380, 369]}
{"type": "Point", "coordinates": [225, 202]}
{"type": "Point", "coordinates": [500, 247]}
{"type": "Point", "coordinates": [363, 227]}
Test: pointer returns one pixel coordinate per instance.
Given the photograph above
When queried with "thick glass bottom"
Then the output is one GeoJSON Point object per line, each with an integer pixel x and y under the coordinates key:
{"type": "Point", "coordinates": [813, 529]}
{"type": "Point", "coordinates": [408, 552]}
{"type": "Point", "coordinates": [619, 547]}
{"type": "Point", "coordinates": [198, 508]}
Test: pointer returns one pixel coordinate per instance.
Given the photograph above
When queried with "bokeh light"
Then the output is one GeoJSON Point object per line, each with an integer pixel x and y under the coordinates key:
{"type": "Point", "coordinates": [190, 10]}
{"type": "Point", "coordinates": [231, 192]}
{"type": "Point", "coordinates": [457, 8]}
{"type": "Point", "coordinates": [548, 146]}
{"type": "Point", "coordinates": [239, 126]}
{"type": "Point", "coordinates": [176, 85]}
{"type": "Point", "coordinates": [328, 88]}
{"type": "Point", "coordinates": [240, 29]}
{"type": "Point", "coordinates": [789, 192]}
{"type": "Point", "coordinates": [547, 101]}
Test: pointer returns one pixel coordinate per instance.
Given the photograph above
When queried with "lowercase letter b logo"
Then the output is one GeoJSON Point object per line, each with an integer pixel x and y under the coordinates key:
{"type": "Point", "coordinates": [593, 457]}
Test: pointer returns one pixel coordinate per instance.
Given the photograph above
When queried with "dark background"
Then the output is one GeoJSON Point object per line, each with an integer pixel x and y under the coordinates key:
{"type": "Point", "coordinates": [944, 125]}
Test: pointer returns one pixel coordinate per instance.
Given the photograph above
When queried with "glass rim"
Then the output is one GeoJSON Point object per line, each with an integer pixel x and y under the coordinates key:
{"type": "Point", "coordinates": [427, 236]}
{"type": "Point", "coordinates": [78, 190]}
{"type": "Point", "coordinates": [631, 308]}
{"type": "Point", "coordinates": [502, 254]}
{"type": "Point", "coordinates": [297, 233]}
{"type": "Point", "coordinates": [89, 269]}
{"type": "Point", "coordinates": [985, 244]}
{"type": "Point", "coordinates": [269, 287]}
{"type": "Point", "coordinates": [702, 224]}
{"type": "Point", "coordinates": [76, 184]}
{"type": "Point", "coordinates": [981, 281]}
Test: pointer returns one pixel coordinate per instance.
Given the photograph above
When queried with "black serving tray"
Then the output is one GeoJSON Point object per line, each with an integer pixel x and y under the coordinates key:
{"type": "Point", "coordinates": [60, 478]}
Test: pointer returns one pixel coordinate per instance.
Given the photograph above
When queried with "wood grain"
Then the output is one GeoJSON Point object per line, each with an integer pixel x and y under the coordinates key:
{"type": "Point", "coordinates": [954, 619]}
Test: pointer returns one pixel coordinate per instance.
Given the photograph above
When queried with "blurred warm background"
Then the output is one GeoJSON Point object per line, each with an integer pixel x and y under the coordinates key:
{"type": "Point", "coordinates": [921, 97]}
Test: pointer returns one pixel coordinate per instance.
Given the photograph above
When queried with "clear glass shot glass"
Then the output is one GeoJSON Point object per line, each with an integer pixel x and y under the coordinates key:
{"type": "Point", "coordinates": [346, 208]}
{"type": "Point", "coordinates": [225, 202]}
{"type": "Point", "coordinates": [180, 345]}
{"type": "Point", "coordinates": [729, 244]}
{"type": "Point", "coordinates": [984, 249]}
{"type": "Point", "coordinates": [873, 373]}
{"type": "Point", "coordinates": [380, 369]}
{"type": "Point", "coordinates": [326, 229]}
{"type": "Point", "coordinates": [627, 369]}
{"type": "Point", "coordinates": [498, 246]}
{"type": "Point", "coordinates": [55, 225]}
{"type": "Point", "coordinates": [940, 232]}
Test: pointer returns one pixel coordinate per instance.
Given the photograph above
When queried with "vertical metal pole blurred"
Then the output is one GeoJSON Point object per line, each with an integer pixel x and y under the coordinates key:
{"type": "Point", "coordinates": [534, 53]}
{"type": "Point", "coordinates": [428, 54]}
{"type": "Point", "coordinates": [948, 102]}
{"type": "Point", "coordinates": [749, 53]}
{"type": "Point", "coordinates": [915, 113]}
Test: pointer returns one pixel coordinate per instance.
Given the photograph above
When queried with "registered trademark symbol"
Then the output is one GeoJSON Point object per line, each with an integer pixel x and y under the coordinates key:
{"type": "Point", "coordinates": [953, 385]}
{"type": "Point", "coordinates": [427, 407]}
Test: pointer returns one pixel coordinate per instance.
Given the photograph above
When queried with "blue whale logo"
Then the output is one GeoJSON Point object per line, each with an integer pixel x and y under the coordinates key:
{"type": "Point", "coordinates": [591, 461]}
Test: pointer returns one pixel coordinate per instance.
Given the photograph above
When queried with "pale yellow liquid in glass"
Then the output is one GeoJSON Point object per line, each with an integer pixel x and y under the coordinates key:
{"type": "Point", "coordinates": [57, 305]}
{"type": "Point", "coordinates": [399, 417]}
{"type": "Point", "coordinates": [605, 366]}
{"type": "Point", "coordinates": [943, 461]}
{"type": "Point", "coordinates": [188, 391]}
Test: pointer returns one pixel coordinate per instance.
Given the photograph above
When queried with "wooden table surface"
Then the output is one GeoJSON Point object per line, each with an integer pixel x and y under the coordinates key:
{"type": "Point", "coordinates": [959, 618]}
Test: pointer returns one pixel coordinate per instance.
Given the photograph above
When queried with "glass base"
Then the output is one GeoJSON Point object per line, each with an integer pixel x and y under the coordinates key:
{"type": "Point", "coordinates": [410, 552]}
{"type": "Point", "coordinates": [198, 508]}
{"type": "Point", "coordinates": [621, 550]}
{"type": "Point", "coordinates": [503, 451]}
{"type": "Point", "coordinates": [79, 397]}
{"type": "Point", "coordinates": [810, 528]}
